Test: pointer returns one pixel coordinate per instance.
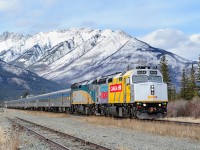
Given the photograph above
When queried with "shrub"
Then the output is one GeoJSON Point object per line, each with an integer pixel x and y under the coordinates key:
{"type": "Point", "coordinates": [183, 108]}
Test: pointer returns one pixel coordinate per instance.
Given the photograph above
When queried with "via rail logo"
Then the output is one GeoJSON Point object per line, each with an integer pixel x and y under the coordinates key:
{"type": "Point", "coordinates": [104, 91]}
{"type": "Point", "coordinates": [116, 88]}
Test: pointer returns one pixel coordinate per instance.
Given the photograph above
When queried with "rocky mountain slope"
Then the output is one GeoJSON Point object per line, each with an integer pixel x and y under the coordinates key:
{"type": "Point", "coordinates": [72, 55]}
{"type": "Point", "coordinates": [14, 82]}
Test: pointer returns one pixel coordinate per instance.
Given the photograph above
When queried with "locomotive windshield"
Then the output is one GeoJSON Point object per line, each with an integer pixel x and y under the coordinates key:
{"type": "Point", "coordinates": [155, 78]}
{"type": "Point", "coordinates": [145, 78]}
{"type": "Point", "coordinates": [138, 79]}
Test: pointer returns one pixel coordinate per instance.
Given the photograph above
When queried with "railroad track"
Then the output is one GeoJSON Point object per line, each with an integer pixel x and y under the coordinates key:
{"type": "Point", "coordinates": [173, 122]}
{"type": "Point", "coordinates": [57, 139]}
{"type": "Point", "coordinates": [165, 121]}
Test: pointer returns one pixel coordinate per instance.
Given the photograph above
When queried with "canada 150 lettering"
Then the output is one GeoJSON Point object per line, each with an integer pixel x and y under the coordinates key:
{"type": "Point", "coordinates": [116, 88]}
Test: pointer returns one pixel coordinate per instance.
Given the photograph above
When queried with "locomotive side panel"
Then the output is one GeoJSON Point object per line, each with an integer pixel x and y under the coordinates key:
{"type": "Point", "coordinates": [81, 97]}
{"type": "Point", "coordinates": [115, 92]}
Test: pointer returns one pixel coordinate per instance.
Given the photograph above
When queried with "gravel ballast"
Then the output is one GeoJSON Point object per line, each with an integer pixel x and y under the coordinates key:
{"type": "Point", "coordinates": [16, 138]}
{"type": "Point", "coordinates": [111, 137]}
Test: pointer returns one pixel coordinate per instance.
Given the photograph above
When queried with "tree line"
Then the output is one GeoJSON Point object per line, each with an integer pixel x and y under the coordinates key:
{"type": "Point", "coordinates": [189, 79]}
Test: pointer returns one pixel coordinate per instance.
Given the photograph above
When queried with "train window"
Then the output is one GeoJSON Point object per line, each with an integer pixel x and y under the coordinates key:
{"type": "Point", "coordinates": [33, 101]}
{"type": "Point", "coordinates": [43, 100]}
{"type": "Point", "coordinates": [127, 81]}
{"type": "Point", "coordinates": [74, 86]}
{"type": "Point", "coordinates": [155, 78]}
{"type": "Point", "coordinates": [102, 81]}
{"type": "Point", "coordinates": [110, 80]}
{"type": "Point", "coordinates": [141, 72]}
{"type": "Point", "coordinates": [65, 96]}
{"type": "Point", "coordinates": [94, 82]}
{"type": "Point", "coordinates": [56, 97]}
{"type": "Point", "coordinates": [120, 79]}
{"type": "Point", "coordinates": [153, 72]}
{"type": "Point", "coordinates": [137, 79]}
{"type": "Point", "coordinates": [144, 78]}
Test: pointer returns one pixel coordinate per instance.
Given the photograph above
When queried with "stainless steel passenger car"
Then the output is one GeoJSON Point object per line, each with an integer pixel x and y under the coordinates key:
{"type": "Point", "coordinates": [58, 101]}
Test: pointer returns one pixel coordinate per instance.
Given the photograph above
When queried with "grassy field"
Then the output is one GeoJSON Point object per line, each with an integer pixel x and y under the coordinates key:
{"type": "Point", "coordinates": [184, 119]}
{"type": "Point", "coordinates": [42, 113]}
{"type": "Point", "coordinates": [9, 142]}
{"type": "Point", "coordinates": [2, 137]}
{"type": "Point", "coordinates": [192, 132]}
{"type": "Point", "coordinates": [175, 130]}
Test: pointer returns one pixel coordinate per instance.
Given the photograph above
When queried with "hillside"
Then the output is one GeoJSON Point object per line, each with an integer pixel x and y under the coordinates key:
{"type": "Point", "coordinates": [14, 82]}
{"type": "Point", "coordinates": [72, 55]}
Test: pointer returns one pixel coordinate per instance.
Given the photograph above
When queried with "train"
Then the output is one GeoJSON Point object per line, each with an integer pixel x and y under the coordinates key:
{"type": "Point", "coordinates": [137, 93]}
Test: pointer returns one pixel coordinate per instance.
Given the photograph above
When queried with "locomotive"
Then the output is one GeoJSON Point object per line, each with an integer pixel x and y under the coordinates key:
{"type": "Point", "coordinates": [138, 93]}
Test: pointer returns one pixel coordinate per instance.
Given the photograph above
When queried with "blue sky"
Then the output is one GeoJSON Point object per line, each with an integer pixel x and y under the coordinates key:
{"type": "Point", "coordinates": [173, 25]}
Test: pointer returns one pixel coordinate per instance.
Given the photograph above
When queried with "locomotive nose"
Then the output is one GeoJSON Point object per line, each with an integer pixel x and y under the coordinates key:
{"type": "Point", "coordinates": [150, 92]}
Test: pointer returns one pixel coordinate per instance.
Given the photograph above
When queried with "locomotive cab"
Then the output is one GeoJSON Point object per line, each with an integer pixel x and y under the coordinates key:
{"type": "Point", "coordinates": [149, 93]}
{"type": "Point", "coordinates": [83, 97]}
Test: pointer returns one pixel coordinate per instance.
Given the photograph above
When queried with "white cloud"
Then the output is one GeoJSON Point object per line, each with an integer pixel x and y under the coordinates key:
{"type": "Point", "coordinates": [90, 24]}
{"type": "Point", "coordinates": [6, 5]}
{"type": "Point", "coordinates": [175, 41]}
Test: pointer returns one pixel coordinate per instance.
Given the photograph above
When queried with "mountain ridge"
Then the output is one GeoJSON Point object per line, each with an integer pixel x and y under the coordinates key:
{"type": "Point", "coordinates": [72, 55]}
{"type": "Point", "coordinates": [15, 81]}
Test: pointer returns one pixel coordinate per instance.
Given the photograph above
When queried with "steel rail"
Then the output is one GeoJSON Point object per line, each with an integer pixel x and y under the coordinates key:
{"type": "Point", "coordinates": [48, 140]}
{"type": "Point", "coordinates": [94, 145]}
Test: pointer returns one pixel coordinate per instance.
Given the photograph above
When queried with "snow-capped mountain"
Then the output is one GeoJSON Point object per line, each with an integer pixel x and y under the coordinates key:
{"type": "Point", "coordinates": [14, 82]}
{"type": "Point", "coordinates": [72, 55]}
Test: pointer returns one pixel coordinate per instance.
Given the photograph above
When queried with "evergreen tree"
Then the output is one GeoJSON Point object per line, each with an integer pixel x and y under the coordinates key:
{"type": "Point", "coordinates": [192, 91]}
{"type": "Point", "coordinates": [188, 89]}
{"type": "Point", "coordinates": [166, 77]}
{"type": "Point", "coordinates": [198, 70]}
{"type": "Point", "coordinates": [188, 85]}
{"type": "Point", "coordinates": [26, 93]}
{"type": "Point", "coordinates": [184, 83]}
{"type": "Point", "coordinates": [198, 78]}
{"type": "Point", "coordinates": [164, 69]}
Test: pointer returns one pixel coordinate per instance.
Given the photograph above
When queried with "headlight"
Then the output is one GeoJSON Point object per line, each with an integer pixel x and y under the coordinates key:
{"type": "Point", "coordinates": [159, 104]}
{"type": "Point", "coordinates": [144, 104]}
{"type": "Point", "coordinates": [164, 103]}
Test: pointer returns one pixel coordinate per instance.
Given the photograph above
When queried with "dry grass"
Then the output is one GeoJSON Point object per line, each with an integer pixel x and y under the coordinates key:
{"type": "Point", "coordinates": [10, 140]}
{"type": "Point", "coordinates": [184, 108]}
{"type": "Point", "coordinates": [184, 119]}
{"type": "Point", "coordinates": [175, 130]}
{"type": "Point", "coordinates": [42, 113]}
{"type": "Point", "coordinates": [15, 143]}
{"type": "Point", "coordinates": [2, 137]}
